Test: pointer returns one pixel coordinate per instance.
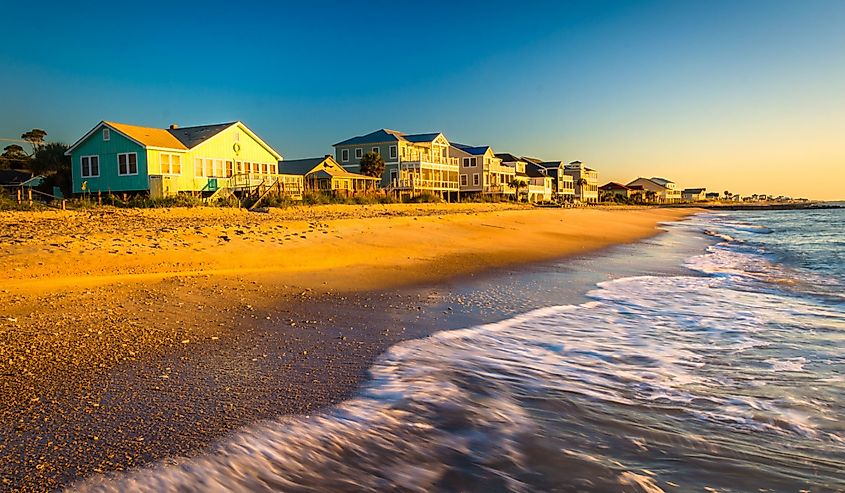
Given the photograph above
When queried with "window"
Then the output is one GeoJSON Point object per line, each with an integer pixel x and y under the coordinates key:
{"type": "Point", "coordinates": [127, 164]}
{"type": "Point", "coordinates": [264, 168]}
{"type": "Point", "coordinates": [359, 153]}
{"type": "Point", "coordinates": [272, 169]}
{"type": "Point", "coordinates": [239, 167]}
{"type": "Point", "coordinates": [471, 162]}
{"type": "Point", "coordinates": [344, 155]}
{"type": "Point", "coordinates": [106, 135]}
{"type": "Point", "coordinates": [393, 152]}
{"type": "Point", "coordinates": [229, 168]}
{"type": "Point", "coordinates": [171, 164]}
{"type": "Point", "coordinates": [463, 180]}
{"type": "Point", "coordinates": [486, 180]}
{"type": "Point", "coordinates": [375, 150]}
{"type": "Point", "coordinates": [475, 179]}
{"type": "Point", "coordinates": [198, 167]}
{"type": "Point", "coordinates": [236, 136]}
{"type": "Point", "coordinates": [90, 166]}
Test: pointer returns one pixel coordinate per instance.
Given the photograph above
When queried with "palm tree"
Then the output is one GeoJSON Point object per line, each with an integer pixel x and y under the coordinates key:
{"type": "Point", "coordinates": [650, 195]}
{"type": "Point", "coordinates": [516, 184]}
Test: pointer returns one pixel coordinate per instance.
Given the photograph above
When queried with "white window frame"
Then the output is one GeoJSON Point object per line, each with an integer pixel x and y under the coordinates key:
{"type": "Point", "coordinates": [463, 180]}
{"type": "Point", "coordinates": [170, 163]}
{"type": "Point", "coordinates": [393, 152]}
{"type": "Point", "coordinates": [359, 153]}
{"type": "Point", "coordinates": [106, 135]}
{"type": "Point", "coordinates": [82, 166]}
{"type": "Point", "coordinates": [376, 150]}
{"type": "Point", "coordinates": [128, 169]}
{"type": "Point", "coordinates": [473, 162]}
{"type": "Point", "coordinates": [198, 167]}
{"type": "Point", "coordinates": [344, 155]}
{"type": "Point", "coordinates": [475, 181]}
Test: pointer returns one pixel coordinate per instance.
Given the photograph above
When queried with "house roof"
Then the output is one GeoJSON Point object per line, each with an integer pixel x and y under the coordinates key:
{"type": "Point", "coordinates": [534, 170]}
{"type": "Point", "coordinates": [147, 136]}
{"type": "Point", "coordinates": [614, 186]}
{"type": "Point", "coordinates": [552, 164]}
{"type": "Point", "coordinates": [387, 135]}
{"type": "Point", "coordinates": [308, 165]}
{"type": "Point", "coordinates": [299, 166]}
{"type": "Point", "coordinates": [651, 180]}
{"type": "Point", "coordinates": [14, 176]}
{"type": "Point", "coordinates": [661, 181]}
{"type": "Point", "coordinates": [635, 187]}
{"type": "Point", "coordinates": [694, 190]}
{"type": "Point", "coordinates": [181, 138]}
{"type": "Point", "coordinates": [474, 150]}
{"type": "Point", "coordinates": [508, 157]}
{"type": "Point", "coordinates": [194, 136]}
{"type": "Point", "coordinates": [532, 160]}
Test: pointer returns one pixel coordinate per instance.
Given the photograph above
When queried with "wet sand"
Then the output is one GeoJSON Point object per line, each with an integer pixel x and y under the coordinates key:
{"type": "Point", "coordinates": [111, 360]}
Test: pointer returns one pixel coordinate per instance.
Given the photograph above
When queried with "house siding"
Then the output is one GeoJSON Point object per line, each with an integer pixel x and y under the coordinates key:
{"type": "Point", "coordinates": [107, 151]}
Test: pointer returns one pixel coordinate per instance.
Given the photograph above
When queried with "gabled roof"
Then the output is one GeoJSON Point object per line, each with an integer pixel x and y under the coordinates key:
{"type": "Point", "coordinates": [650, 180]}
{"type": "Point", "coordinates": [661, 181]}
{"type": "Point", "coordinates": [507, 157]}
{"type": "Point", "coordinates": [299, 166]}
{"type": "Point", "coordinates": [552, 164]}
{"type": "Point", "coordinates": [180, 139]}
{"type": "Point", "coordinates": [387, 135]}
{"type": "Point", "coordinates": [194, 136]}
{"type": "Point", "coordinates": [417, 138]}
{"type": "Point", "coordinates": [694, 190]}
{"type": "Point", "coordinates": [614, 186]}
{"type": "Point", "coordinates": [147, 136]}
{"type": "Point", "coordinates": [308, 165]}
{"type": "Point", "coordinates": [531, 160]}
{"type": "Point", "coordinates": [534, 170]}
{"type": "Point", "coordinates": [474, 150]}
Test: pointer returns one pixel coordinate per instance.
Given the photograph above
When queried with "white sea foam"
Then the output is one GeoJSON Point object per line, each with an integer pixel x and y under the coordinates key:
{"type": "Point", "coordinates": [652, 356]}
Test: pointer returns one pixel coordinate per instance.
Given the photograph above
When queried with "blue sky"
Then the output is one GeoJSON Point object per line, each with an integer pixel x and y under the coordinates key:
{"type": "Point", "coordinates": [718, 94]}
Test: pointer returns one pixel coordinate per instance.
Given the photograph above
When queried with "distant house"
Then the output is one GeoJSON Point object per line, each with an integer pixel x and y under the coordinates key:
{"type": "Point", "coordinates": [324, 174]}
{"type": "Point", "coordinates": [518, 165]}
{"type": "Point", "coordinates": [413, 163]}
{"type": "Point", "coordinates": [481, 171]}
{"type": "Point", "coordinates": [116, 157]}
{"type": "Point", "coordinates": [662, 190]}
{"type": "Point", "coordinates": [540, 188]}
{"type": "Point", "coordinates": [712, 196]}
{"type": "Point", "coordinates": [694, 194]}
{"type": "Point", "coordinates": [14, 177]}
{"type": "Point", "coordinates": [616, 189]}
{"type": "Point", "coordinates": [586, 181]}
{"type": "Point", "coordinates": [563, 185]}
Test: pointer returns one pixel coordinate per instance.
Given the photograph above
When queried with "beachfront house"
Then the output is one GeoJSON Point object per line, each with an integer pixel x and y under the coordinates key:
{"type": "Point", "coordinates": [694, 194]}
{"type": "Point", "coordinates": [613, 189]}
{"type": "Point", "coordinates": [658, 190]}
{"type": "Point", "coordinates": [413, 163]}
{"type": "Point", "coordinates": [481, 172]}
{"type": "Point", "coordinates": [563, 186]}
{"type": "Point", "coordinates": [324, 174]}
{"type": "Point", "coordinates": [520, 177]}
{"type": "Point", "coordinates": [586, 181]}
{"type": "Point", "coordinates": [119, 158]}
{"type": "Point", "coordinates": [539, 183]}
{"type": "Point", "coordinates": [711, 196]}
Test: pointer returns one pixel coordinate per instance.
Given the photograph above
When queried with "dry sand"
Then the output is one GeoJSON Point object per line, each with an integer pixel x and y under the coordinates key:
{"type": "Point", "coordinates": [115, 324]}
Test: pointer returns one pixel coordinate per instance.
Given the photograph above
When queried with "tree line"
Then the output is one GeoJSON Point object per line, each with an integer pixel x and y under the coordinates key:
{"type": "Point", "coordinates": [44, 158]}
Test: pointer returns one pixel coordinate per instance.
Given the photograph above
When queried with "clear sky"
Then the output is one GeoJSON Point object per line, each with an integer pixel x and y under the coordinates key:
{"type": "Point", "coordinates": [740, 95]}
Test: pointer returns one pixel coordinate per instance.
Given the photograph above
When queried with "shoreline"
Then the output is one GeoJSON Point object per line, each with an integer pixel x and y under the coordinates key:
{"type": "Point", "coordinates": [196, 357]}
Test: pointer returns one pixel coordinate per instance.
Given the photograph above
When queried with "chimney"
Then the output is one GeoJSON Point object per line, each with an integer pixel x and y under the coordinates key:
{"type": "Point", "coordinates": [173, 126]}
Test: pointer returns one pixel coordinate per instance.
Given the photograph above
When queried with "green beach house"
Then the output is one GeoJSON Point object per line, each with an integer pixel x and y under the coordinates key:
{"type": "Point", "coordinates": [121, 158]}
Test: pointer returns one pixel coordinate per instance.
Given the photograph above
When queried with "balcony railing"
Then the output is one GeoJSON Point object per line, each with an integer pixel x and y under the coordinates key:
{"type": "Point", "coordinates": [421, 184]}
{"type": "Point", "coordinates": [426, 161]}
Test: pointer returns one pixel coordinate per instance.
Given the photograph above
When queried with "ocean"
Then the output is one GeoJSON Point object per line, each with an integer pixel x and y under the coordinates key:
{"type": "Point", "coordinates": [725, 375]}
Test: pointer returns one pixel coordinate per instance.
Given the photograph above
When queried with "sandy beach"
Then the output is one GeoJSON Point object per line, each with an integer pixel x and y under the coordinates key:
{"type": "Point", "coordinates": [128, 336]}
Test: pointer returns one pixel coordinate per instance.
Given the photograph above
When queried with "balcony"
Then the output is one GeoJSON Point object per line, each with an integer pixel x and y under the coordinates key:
{"type": "Point", "coordinates": [415, 183]}
{"type": "Point", "coordinates": [424, 161]}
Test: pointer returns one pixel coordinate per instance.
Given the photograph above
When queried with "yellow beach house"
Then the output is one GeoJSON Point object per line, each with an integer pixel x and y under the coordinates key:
{"type": "Point", "coordinates": [203, 160]}
{"type": "Point", "coordinates": [324, 174]}
{"type": "Point", "coordinates": [481, 172]}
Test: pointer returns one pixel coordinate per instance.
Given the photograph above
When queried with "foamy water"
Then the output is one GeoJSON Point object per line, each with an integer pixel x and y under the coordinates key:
{"type": "Point", "coordinates": [733, 380]}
